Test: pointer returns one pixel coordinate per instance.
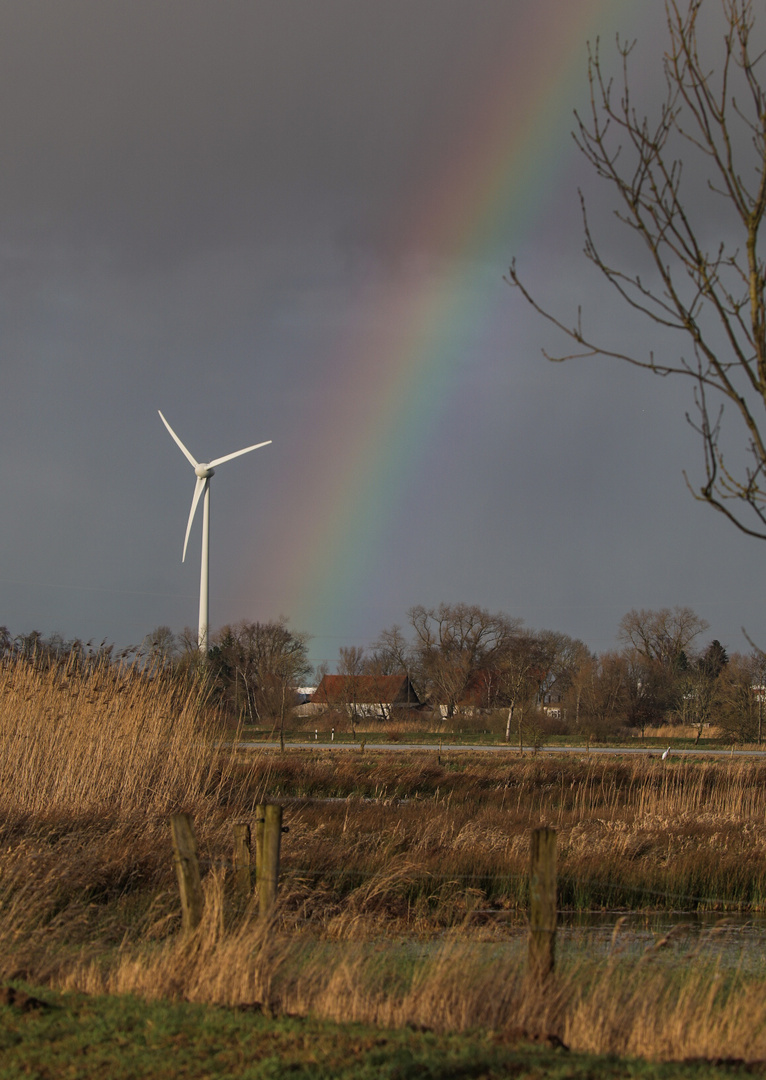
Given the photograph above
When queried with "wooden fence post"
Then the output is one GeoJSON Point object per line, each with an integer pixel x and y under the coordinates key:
{"type": "Point", "coordinates": [260, 820]}
{"type": "Point", "coordinates": [242, 882]}
{"type": "Point", "coordinates": [187, 870]}
{"type": "Point", "coordinates": [268, 860]}
{"type": "Point", "coordinates": [542, 903]}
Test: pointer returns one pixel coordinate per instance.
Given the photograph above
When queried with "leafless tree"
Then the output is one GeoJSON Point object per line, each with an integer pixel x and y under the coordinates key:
{"type": "Point", "coordinates": [648, 690]}
{"type": "Point", "coordinates": [711, 129]}
{"type": "Point", "coordinates": [264, 662]}
{"type": "Point", "coordinates": [558, 657]}
{"type": "Point", "coordinates": [391, 653]}
{"type": "Point", "coordinates": [454, 642]}
{"type": "Point", "coordinates": [661, 636]}
{"type": "Point", "coordinates": [698, 684]}
{"type": "Point", "coordinates": [757, 665]}
{"type": "Point", "coordinates": [738, 700]}
{"type": "Point", "coordinates": [598, 692]}
{"type": "Point", "coordinates": [351, 664]}
{"type": "Point", "coordinates": [519, 678]}
{"type": "Point", "coordinates": [160, 647]}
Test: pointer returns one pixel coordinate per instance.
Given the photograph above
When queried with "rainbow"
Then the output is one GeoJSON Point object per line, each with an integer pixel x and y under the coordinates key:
{"type": "Point", "coordinates": [506, 167]}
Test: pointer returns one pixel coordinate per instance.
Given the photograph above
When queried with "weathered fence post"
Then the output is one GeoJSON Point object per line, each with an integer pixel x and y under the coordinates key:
{"type": "Point", "coordinates": [187, 870]}
{"type": "Point", "coordinates": [242, 881]}
{"type": "Point", "coordinates": [260, 820]}
{"type": "Point", "coordinates": [542, 903]}
{"type": "Point", "coordinates": [268, 859]}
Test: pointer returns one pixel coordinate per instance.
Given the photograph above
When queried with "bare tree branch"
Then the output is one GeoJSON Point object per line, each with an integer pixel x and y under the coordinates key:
{"type": "Point", "coordinates": [715, 115]}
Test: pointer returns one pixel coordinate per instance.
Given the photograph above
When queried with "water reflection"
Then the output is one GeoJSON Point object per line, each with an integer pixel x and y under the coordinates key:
{"type": "Point", "coordinates": [731, 941]}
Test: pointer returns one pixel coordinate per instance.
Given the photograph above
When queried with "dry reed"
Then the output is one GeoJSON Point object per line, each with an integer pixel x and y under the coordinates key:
{"type": "Point", "coordinates": [631, 1008]}
{"type": "Point", "coordinates": [392, 868]}
{"type": "Point", "coordinates": [104, 739]}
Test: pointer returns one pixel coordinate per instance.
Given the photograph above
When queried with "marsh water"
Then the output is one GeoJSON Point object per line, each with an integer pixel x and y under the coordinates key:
{"type": "Point", "coordinates": [731, 941]}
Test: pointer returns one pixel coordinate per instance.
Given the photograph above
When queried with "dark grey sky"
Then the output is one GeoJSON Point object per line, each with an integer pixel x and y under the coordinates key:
{"type": "Point", "coordinates": [203, 207]}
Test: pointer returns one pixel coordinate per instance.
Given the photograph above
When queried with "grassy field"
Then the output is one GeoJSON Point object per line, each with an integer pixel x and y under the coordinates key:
{"type": "Point", "coordinates": [424, 731]}
{"type": "Point", "coordinates": [87, 1038]}
{"type": "Point", "coordinates": [403, 889]}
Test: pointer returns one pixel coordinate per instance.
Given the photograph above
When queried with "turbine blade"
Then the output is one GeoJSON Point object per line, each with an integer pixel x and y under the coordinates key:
{"type": "Point", "coordinates": [185, 452]}
{"type": "Point", "coordinates": [238, 453]}
{"type": "Point", "coordinates": [199, 487]}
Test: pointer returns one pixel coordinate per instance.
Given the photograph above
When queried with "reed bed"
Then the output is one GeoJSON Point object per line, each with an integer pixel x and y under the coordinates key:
{"type": "Point", "coordinates": [102, 740]}
{"type": "Point", "coordinates": [628, 1008]}
{"type": "Point", "coordinates": [634, 833]}
{"type": "Point", "coordinates": [395, 871]}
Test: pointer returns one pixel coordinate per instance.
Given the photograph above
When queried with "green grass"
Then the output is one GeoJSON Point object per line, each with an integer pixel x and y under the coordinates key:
{"type": "Point", "coordinates": [472, 737]}
{"type": "Point", "coordinates": [124, 1038]}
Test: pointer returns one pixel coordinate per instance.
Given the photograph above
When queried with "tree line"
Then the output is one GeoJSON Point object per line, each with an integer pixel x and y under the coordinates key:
{"type": "Point", "coordinates": [463, 660]}
{"type": "Point", "coordinates": [462, 657]}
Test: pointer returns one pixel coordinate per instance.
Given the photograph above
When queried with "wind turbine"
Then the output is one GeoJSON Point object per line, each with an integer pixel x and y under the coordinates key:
{"type": "Point", "coordinates": [204, 471]}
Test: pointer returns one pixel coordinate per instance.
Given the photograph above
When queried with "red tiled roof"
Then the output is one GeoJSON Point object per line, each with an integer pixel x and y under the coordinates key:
{"type": "Point", "coordinates": [365, 689]}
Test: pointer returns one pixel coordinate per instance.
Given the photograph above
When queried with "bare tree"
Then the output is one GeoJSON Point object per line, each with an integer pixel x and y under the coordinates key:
{"type": "Point", "coordinates": [738, 699]}
{"type": "Point", "coordinates": [698, 685]}
{"type": "Point", "coordinates": [649, 691]}
{"type": "Point", "coordinates": [663, 635]}
{"type": "Point", "coordinates": [559, 657]}
{"type": "Point", "coordinates": [160, 647]}
{"type": "Point", "coordinates": [391, 653]}
{"type": "Point", "coordinates": [598, 691]}
{"type": "Point", "coordinates": [351, 664]}
{"type": "Point", "coordinates": [757, 663]}
{"type": "Point", "coordinates": [257, 666]}
{"type": "Point", "coordinates": [454, 642]}
{"type": "Point", "coordinates": [519, 678]}
{"type": "Point", "coordinates": [711, 129]}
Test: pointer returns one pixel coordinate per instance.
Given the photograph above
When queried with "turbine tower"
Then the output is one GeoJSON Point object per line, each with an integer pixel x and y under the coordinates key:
{"type": "Point", "coordinates": [203, 470]}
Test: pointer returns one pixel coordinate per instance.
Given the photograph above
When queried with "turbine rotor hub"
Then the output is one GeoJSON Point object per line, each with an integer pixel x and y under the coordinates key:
{"type": "Point", "coordinates": [204, 471]}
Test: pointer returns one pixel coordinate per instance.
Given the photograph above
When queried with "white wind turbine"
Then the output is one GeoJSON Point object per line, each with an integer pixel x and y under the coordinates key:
{"type": "Point", "coordinates": [204, 471]}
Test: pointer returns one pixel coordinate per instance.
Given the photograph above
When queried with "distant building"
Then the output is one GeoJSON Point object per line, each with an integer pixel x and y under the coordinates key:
{"type": "Point", "coordinates": [553, 701]}
{"type": "Point", "coordinates": [367, 695]}
{"type": "Point", "coordinates": [480, 693]}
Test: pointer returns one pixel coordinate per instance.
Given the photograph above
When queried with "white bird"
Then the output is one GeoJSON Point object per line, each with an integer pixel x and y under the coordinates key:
{"type": "Point", "coordinates": [664, 754]}
{"type": "Point", "coordinates": [204, 470]}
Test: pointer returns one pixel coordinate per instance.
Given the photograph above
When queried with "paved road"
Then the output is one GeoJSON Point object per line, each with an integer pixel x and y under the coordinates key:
{"type": "Point", "coordinates": [408, 748]}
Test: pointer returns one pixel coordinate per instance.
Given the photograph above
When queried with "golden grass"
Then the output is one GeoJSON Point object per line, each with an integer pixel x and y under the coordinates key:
{"type": "Point", "coordinates": [630, 1008]}
{"type": "Point", "coordinates": [394, 870]}
{"type": "Point", "coordinates": [102, 739]}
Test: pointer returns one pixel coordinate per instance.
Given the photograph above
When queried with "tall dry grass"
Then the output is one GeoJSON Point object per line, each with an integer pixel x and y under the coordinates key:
{"type": "Point", "coordinates": [630, 1008]}
{"type": "Point", "coordinates": [393, 871]}
{"type": "Point", "coordinates": [632, 833]}
{"type": "Point", "coordinates": [102, 740]}
{"type": "Point", "coordinates": [93, 758]}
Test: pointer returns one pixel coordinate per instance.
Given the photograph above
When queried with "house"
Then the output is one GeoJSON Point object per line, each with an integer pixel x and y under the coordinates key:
{"type": "Point", "coordinates": [479, 694]}
{"type": "Point", "coordinates": [491, 688]}
{"type": "Point", "coordinates": [553, 700]}
{"type": "Point", "coordinates": [367, 695]}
